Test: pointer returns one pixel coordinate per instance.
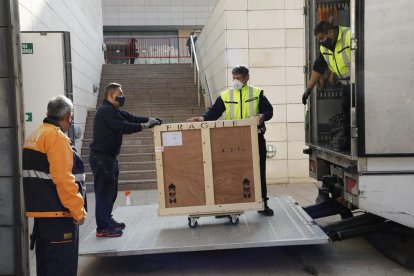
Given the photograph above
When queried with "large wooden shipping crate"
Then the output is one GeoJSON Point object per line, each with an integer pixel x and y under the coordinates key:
{"type": "Point", "coordinates": [208, 167]}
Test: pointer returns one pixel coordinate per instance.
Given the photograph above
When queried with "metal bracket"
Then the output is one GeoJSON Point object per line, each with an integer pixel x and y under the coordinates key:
{"type": "Point", "coordinates": [354, 132]}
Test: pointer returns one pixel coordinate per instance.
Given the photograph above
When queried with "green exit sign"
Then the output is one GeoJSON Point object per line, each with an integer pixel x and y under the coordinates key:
{"type": "Point", "coordinates": [29, 117]}
{"type": "Point", "coordinates": [27, 48]}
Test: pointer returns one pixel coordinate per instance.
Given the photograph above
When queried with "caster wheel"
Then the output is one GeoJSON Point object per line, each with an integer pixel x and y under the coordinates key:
{"type": "Point", "coordinates": [234, 219]}
{"type": "Point", "coordinates": [192, 222]}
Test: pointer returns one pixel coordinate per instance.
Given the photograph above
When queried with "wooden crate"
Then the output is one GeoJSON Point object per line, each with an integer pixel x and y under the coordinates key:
{"type": "Point", "coordinates": [208, 167]}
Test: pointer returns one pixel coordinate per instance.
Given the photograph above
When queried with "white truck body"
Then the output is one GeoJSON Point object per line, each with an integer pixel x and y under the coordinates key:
{"type": "Point", "coordinates": [377, 174]}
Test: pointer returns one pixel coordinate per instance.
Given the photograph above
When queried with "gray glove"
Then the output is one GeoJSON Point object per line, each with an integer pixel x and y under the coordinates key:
{"type": "Point", "coordinates": [305, 96]}
{"type": "Point", "coordinates": [152, 122]}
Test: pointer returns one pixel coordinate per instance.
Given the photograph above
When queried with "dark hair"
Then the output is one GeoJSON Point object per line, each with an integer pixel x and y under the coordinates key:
{"type": "Point", "coordinates": [322, 28]}
{"type": "Point", "coordinates": [110, 87]}
{"type": "Point", "coordinates": [240, 70]}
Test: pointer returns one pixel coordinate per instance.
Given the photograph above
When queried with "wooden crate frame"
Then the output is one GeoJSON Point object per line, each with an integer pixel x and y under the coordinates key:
{"type": "Point", "coordinates": [209, 208]}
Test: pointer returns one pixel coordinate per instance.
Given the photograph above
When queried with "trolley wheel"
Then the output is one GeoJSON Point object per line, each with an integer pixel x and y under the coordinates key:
{"type": "Point", "coordinates": [192, 222]}
{"type": "Point", "coordinates": [234, 219]}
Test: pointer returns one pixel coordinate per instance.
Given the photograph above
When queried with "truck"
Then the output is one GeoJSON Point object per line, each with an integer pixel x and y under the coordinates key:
{"type": "Point", "coordinates": [375, 176]}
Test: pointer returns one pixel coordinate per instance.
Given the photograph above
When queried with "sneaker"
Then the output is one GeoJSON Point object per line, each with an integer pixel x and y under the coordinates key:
{"type": "Point", "coordinates": [109, 232]}
{"type": "Point", "coordinates": [117, 225]}
{"type": "Point", "coordinates": [267, 211]}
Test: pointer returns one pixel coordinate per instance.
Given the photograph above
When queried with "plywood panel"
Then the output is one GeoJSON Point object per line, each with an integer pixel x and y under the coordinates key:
{"type": "Point", "coordinates": [184, 172]}
{"type": "Point", "coordinates": [231, 151]}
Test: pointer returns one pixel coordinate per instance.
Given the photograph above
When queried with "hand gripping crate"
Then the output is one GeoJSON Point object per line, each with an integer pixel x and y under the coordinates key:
{"type": "Point", "coordinates": [208, 168]}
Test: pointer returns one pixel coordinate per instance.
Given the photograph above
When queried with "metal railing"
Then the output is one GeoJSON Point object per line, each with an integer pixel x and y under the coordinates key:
{"type": "Point", "coordinates": [197, 79]}
{"type": "Point", "coordinates": [144, 50]}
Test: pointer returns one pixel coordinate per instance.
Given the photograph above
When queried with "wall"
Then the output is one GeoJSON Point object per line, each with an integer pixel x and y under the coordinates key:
{"type": "Point", "coordinates": [163, 13]}
{"type": "Point", "coordinates": [83, 19]}
{"type": "Point", "coordinates": [268, 37]}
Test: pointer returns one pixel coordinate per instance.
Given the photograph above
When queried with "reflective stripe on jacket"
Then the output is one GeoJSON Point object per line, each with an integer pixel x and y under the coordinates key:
{"type": "Point", "coordinates": [340, 62]}
{"type": "Point", "coordinates": [53, 174]}
{"type": "Point", "coordinates": [241, 104]}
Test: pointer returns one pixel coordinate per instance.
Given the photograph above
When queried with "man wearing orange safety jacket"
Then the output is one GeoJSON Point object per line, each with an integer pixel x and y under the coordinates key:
{"type": "Point", "coordinates": [54, 191]}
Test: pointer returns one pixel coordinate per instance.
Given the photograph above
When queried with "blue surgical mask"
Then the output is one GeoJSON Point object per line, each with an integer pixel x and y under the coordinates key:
{"type": "Point", "coordinates": [120, 100]}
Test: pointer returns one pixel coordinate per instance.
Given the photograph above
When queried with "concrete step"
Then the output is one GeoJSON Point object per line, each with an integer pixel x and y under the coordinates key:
{"type": "Point", "coordinates": [150, 111]}
{"type": "Point", "coordinates": [127, 149]}
{"type": "Point", "coordinates": [129, 142]}
{"type": "Point", "coordinates": [147, 133]}
{"type": "Point", "coordinates": [166, 109]}
{"type": "Point", "coordinates": [138, 97]}
{"type": "Point", "coordinates": [126, 185]}
{"type": "Point", "coordinates": [130, 166]}
{"type": "Point", "coordinates": [127, 157]}
{"type": "Point", "coordinates": [129, 175]}
{"type": "Point", "coordinates": [148, 78]}
{"type": "Point", "coordinates": [138, 91]}
{"type": "Point", "coordinates": [171, 84]}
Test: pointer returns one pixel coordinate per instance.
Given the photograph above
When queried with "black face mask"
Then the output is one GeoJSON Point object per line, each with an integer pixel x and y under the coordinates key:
{"type": "Point", "coordinates": [327, 43]}
{"type": "Point", "coordinates": [120, 100]}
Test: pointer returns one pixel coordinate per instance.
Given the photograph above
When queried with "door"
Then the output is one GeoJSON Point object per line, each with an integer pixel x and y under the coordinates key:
{"type": "Point", "coordinates": [385, 78]}
{"type": "Point", "coordinates": [46, 73]}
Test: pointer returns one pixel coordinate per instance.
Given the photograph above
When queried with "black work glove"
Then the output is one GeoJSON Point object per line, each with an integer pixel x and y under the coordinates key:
{"type": "Point", "coordinates": [305, 95]}
{"type": "Point", "coordinates": [152, 122]}
{"type": "Point", "coordinates": [159, 120]}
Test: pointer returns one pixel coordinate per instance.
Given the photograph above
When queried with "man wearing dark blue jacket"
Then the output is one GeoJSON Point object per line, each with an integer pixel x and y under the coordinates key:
{"type": "Point", "coordinates": [109, 125]}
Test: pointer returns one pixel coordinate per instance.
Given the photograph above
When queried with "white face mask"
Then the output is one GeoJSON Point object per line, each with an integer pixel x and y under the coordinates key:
{"type": "Point", "coordinates": [237, 84]}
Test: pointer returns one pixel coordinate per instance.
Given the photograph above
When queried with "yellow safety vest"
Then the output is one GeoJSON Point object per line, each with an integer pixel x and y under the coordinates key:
{"type": "Point", "coordinates": [340, 61]}
{"type": "Point", "coordinates": [241, 104]}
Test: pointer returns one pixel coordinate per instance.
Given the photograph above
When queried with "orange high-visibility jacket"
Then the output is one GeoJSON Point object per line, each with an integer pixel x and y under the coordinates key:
{"type": "Point", "coordinates": [53, 174]}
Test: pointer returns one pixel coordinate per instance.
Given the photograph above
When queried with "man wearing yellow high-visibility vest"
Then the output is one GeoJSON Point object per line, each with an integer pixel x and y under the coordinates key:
{"type": "Point", "coordinates": [336, 55]}
{"type": "Point", "coordinates": [242, 102]}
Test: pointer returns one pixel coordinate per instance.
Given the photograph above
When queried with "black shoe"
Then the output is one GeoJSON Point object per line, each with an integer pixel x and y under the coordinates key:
{"type": "Point", "coordinates": [267, 211]}
{"type": "Point", "coordinates": [117, 225]}
{"type": "Point", "coordinates": [109, 232]}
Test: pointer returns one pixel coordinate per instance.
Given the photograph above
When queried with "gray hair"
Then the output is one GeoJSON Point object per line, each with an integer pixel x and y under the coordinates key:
{"type": "Point", "coordinates": [58, 107]}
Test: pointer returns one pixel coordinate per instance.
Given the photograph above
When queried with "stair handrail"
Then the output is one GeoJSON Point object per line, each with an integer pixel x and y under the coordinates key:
{"type": "Point", "coordinates": [194, 60]}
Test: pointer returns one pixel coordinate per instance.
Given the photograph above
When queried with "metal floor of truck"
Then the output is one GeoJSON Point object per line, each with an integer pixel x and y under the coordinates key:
{"type": "Point", "coordinates": [148, 233]}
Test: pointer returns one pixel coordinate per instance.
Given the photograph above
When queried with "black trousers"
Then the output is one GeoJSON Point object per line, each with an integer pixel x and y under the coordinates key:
{"type": "Point", "coordinates": [105, 179]}
{"type": "Point", "coordinates": [57, 246]}
{"type": "Point", "coordinates": [262, 155]}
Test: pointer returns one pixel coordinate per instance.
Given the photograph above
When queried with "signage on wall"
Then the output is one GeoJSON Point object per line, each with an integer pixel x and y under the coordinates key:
{"type": "Point", "coordinates": [29, 117]}
{"type": "Point", "coordinates": [27, 48]}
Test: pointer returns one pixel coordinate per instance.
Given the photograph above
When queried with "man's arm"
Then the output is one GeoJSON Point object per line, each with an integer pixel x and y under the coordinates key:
{"type": "Point", "coordinates": [60, 157]}
{"type": "Point", "coordinates": [214, 112]}
{"type": "Point", "coordinates": [117, 121]}
{"type": "Point", "coordinates": [265, 107]}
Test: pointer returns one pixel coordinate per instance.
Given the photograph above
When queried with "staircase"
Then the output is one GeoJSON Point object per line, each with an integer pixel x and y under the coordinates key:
{"type": "Point", "coordinates": [166, 91]}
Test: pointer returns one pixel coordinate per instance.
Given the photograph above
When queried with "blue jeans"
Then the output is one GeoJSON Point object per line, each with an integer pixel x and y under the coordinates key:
{"type": "Point", "coordinates": [105, 180]}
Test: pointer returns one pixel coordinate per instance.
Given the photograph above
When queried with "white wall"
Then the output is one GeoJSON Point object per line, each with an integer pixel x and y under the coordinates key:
{"type": "Point", "coordinates": [83, 19]}
{"type": "Point", "coordinates": [268, 37]}
{"type": "Point", "coordinates": [157, 12]}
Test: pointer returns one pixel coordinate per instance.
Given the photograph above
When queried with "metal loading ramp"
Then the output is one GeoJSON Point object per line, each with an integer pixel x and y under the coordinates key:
{"type": "Point", "coordinates": [147, 233]}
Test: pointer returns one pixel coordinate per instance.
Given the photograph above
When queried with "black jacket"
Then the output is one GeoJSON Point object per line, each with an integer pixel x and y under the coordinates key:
{"type": "Point", "coordinates": [109, 125]}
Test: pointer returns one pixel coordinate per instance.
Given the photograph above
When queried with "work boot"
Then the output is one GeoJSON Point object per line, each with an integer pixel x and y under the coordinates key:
{"type": "Point", "coordinates": [267, 211]}
{"type": "Point", "coordinates": [117, 225]}
{"type": "Point", "coordinates": [109, 232]}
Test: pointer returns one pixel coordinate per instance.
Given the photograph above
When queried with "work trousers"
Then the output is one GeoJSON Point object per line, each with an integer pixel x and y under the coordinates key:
{"type": "Point", "coordinates": [105, 180]}
{"type": "Point", "coordinates": [262, 155]}
{"type": "Point", "coordinates": [57, 246]}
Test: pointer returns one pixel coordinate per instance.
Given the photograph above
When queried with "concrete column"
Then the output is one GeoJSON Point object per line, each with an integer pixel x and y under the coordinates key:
{"type": "Point", "coordinates": [13, 224]}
